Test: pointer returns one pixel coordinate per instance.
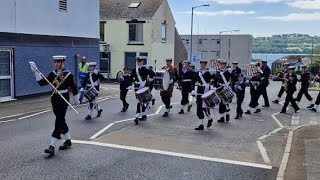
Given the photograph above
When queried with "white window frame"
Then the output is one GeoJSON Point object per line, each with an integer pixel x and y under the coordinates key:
{"type": "Point", "coordinates": [164, 32]}
{"type": "Point", "coordinates": [10, 77]}
{"type": "Point", "coordinates": [137, 41]}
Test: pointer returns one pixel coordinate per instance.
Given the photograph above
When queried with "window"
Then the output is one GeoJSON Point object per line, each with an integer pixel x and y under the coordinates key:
{"type": "Point", "coordinates": [63, 5]}
{"type": "Point", "coordinates": [218, 41]}
{"type": "Point", "coordinates": [102, 29]}
{"type": "Point", "coordinates": [134, 4]}
{"type": "Point", "coordinates": [135, 32]}
{"type": "Point", "coordinates": [200, 41]}
{"type": "Point", "coordinates": [143, 54]}
{"type": "Point", "coordinates": [164, 32]}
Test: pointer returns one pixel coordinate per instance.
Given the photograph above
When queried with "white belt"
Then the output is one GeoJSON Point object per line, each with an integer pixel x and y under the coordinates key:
{"type": "Point", "coordinates": [186, 80]}
{"type": "Point", "coordinates": [61, 91]}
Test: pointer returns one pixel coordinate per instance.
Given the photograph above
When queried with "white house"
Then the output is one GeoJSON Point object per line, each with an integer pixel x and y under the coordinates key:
{"type": "Point", "coordinates": [135, 28]}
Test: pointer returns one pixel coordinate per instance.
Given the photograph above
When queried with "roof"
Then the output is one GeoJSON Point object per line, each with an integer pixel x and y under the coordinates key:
{"type": "Point", "coordinates": [119, 9]}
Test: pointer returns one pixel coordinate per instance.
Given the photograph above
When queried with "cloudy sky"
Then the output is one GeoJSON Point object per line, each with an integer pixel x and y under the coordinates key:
{"type": "Point", "coordinates": [256, 17]}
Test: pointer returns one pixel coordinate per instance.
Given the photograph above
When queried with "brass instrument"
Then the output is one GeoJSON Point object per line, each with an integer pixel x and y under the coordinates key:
{"type": "Point", "coordinates": [214, 64]}
{"type": "Point", "coordinates": [253, 70]}
{"type": "Point", "coordinates": [285, 82]}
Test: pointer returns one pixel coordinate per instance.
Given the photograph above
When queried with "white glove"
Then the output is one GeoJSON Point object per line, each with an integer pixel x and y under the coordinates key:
{"type": "Point", "coordinates": [240, 88]}
{"type": "Point", "coordinates": [225, 86]}
{"type": "Point", "coordinates": [193, 93]}
{"type": "Point", "coordinates": [150, 79]}
{"type": "Point", "coordinates": [129, 88]}
{"type": "Point", "coordinates": [95, 71]}
{"type": "Point", "coordinates": [76, 99]}
{"type": "Point", "coordinates": [171, 81]}
{"type": "Point", "coordinates": [81, 89]}
{"type": "Point", "coordinates": [121, 77]}
{"type": "Point", "coordinates": [34, 69]}
{"type": "Point", "coordinates": [247, 81]}
{"type": "Point", "coordinates": [142, 84]}
{"type": "Point", "coordinates": [230, 70]}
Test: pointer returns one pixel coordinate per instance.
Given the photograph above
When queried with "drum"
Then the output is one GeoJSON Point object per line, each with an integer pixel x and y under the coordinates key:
{"type": "Point", "coordinates": [144, 95]}
{"type": "Point", "coordinates": [226, 95]}
{"type": "Point", "coordinates": [161, 80]}
{"type": "Point", "coordinates": [91, 94]}
{"type": "Point", "coordinates": [210, 98]}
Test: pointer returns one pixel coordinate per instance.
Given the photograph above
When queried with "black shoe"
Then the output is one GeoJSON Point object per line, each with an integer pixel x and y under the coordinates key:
{"type": "Point", "coordinates": [221, 120]}
{"type": "Point", "coordinates": [99, 113]}
{"type": "Point", "coordinates": [66, 145]}
{"type": "Point", "coordinates": [170, 107]}
{"type": "Point", "coordinates": [257, 111]}
{"type": "Point", "coordinates": [136, 121]}
{"type": "Point", "coordinates": [166, 114]}
{"type": "Point", "coordinates": [297, 110]}
{"type": "Point", "coordinates": [237, 117]}
{"type": "Point", "coordinates": [123, 109]}
{"type": "Point", "coordinates": [153, 102]}
{"type": "Point", "coordinates": [314, 109]}
{"type": "Point", "coordinates": [209, 124]}
{"type": "Point", "coordinates": [88, 117]}
{"type": "Point", "coordinates": [276, 101]}
{"type": "Point", "coordinates": [181, 111]}
{"type": "Point", "coordinates": [240, 115]}
{"type": "Point", "coordinates": [189, 108]}
{"type": "Point", "coordinates": [283, 112]}
{"type": "Point", "coordinates": [266, 105]}
{"type": "Point", "coordinates": [248, 112]}
{"type": "Point", "coordinates": [228, 117]}
{"type": "Point", "coordinates": [200, 127]}
{"type": "Point", "coordinates": [143, 118]}
{"type": "Point", "coordinates": [49, 151]}
{"type": "Point", "coordinates": [311, 106]}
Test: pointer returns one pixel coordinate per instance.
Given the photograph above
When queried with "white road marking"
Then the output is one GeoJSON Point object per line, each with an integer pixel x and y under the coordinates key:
{"type": "Point", "coordinates": [295, 119]}
{"type": "Point", "coordinates": [285, 158]}
{"type": "Point", "coordinates": [276, 120]}
{"type": "Point", "coordinates": [13, 115]}
{"type": "Point", "coordinates": [101, 131]}
{"type": "Point", "coordinates": [31, 115]}
{"type": "Point", "coordinates": [168, 153]}
{"type": "Point", "coordinates": [159, 109]}
{"type": "Point", "coordinates": [263, 152]}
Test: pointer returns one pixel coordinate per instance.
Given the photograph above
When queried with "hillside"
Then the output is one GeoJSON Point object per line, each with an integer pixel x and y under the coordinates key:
{"type": "Point", "coordinates": [286, 43]}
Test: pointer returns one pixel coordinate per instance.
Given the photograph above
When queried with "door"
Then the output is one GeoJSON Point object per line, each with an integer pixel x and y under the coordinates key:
{"type": "Point", "coordinates": [6, 75]}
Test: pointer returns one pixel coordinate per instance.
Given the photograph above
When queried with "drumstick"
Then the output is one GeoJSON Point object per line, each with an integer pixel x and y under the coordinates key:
{"type": "Point", "coordinates": [55, 89]}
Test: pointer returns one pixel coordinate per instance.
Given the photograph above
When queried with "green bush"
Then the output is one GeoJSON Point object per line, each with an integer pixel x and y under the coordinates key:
{"type": "Point", "coordinates": [298, 72]}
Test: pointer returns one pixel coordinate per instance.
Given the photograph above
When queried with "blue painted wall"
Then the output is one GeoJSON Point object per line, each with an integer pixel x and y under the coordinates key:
{"type": "Point", "coordinates": [25, 83]}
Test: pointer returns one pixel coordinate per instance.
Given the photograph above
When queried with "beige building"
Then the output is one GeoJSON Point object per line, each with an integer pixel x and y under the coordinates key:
{"type": "Point", "coordinates": [135, 28]}
{"type": "Point", "coordinates": [233, 47]}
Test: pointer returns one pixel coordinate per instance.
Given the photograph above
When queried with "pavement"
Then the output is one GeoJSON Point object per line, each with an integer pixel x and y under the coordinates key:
{"type": "Point", "coordinates": [112, 147]}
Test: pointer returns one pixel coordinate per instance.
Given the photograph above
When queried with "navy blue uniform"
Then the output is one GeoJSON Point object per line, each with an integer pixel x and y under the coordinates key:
{"type": "Point", "coordinates": [59, 106]}
{"type": "Point", "coordinates": [240, 89]}
{"type": "Point", "coordinates": [290, 81]}
{"type": "Point", "coordinates": [305, 77]}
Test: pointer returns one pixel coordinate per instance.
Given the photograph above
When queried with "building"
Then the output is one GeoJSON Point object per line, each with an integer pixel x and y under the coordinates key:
{"type": "Point", "coordinates": [35, 30]}
{"type": "Point", "coordinates": [135, 28]}
{"type": "Point", "coordinates": [228, 47]}
{"type": "Point", "coordinates": [180, 52]}
{"type": "Point", "coordinates": [294, 60]}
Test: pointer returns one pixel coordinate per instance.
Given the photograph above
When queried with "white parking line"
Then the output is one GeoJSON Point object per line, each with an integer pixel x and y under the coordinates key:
{"type": "Point", "coordinates": [263, 152]}
{"type": "Point", "coordinates": [159, 109]}
{"type": "Point", "coordinates": [276, 120]}
{"type": "Point", "coordinates": [285, 158]}
{"type": "Point", "coordinates": [31, 115]}
{"type": "Point", "coordinates": [168, 153]}
{"type": "Point", "coordinates": [295, 119]}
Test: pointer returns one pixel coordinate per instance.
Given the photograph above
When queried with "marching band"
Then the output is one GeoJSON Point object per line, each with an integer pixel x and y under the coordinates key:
{"type": "Point", "coordinates": [214, 88]}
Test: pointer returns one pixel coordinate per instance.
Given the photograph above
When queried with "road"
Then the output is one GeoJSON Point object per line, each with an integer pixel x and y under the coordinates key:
{"type": "Point", "coordinates": [112, 147]}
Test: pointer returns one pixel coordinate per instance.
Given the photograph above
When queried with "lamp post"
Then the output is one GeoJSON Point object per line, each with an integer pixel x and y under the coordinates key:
{"type": "Point", "coordinates": [312, 51]}
{"type": "Point", "coordinates": [233, 30]}
{"type": "Point", "coordinates": [194, 7]}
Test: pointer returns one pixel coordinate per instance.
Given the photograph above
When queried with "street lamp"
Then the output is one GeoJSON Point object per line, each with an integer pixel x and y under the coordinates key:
{"type": "Point", "coordinates": [233, 30]}
{"type": "Point", "coordinates": [312, 51]}
{"type": "Point", "coordinates": [194, 7]}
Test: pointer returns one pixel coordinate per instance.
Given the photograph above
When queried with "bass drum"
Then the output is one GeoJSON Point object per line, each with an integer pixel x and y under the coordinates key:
{"type": "Point", "coordinates": [119, 76]}
{"type": "Point", "coordinates": [161, 80]}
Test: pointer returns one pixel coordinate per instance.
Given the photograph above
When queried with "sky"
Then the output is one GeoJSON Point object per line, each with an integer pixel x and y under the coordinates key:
{"type": "Point", "coordinates": [255, 17]}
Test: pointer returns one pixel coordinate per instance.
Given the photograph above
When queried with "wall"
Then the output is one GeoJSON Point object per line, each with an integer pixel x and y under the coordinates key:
{"type": "Point", "coordinates": [117, 35]}
{"type": "Point", "coordinates": [44, 17]}
{"type": "Point", "coordinates": [162, 50]}
{"type": "Point", "coordinates": [180, 52]}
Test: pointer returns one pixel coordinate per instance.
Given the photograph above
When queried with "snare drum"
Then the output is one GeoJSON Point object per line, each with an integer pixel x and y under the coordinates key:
{"type": "Point", "coordinates": [226, 95]}
{"type": "Point", "coordinates": [144, 95]}
{"type": "Point", "coordinates": [210, 98]}
{"type": "Point", "coordinates": [91, 94]}
{"type": "Point", "coordinates": [161, 80]}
